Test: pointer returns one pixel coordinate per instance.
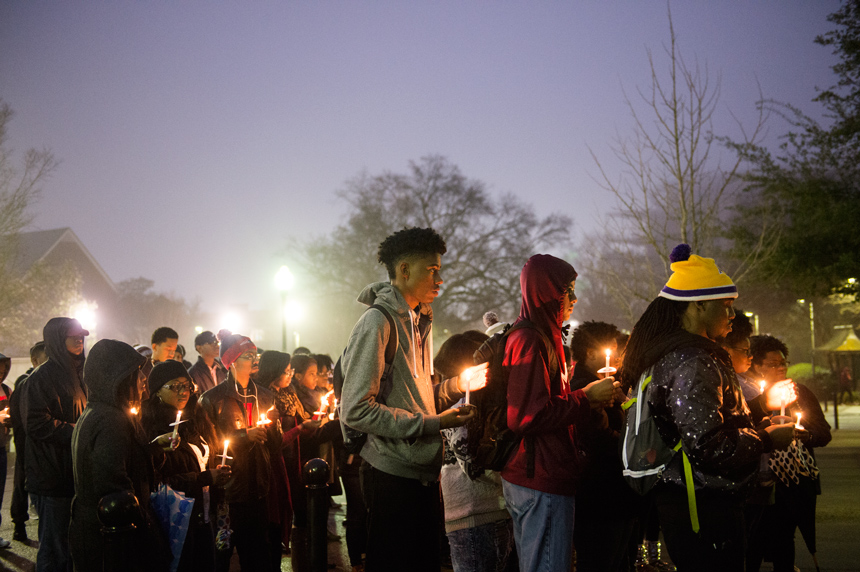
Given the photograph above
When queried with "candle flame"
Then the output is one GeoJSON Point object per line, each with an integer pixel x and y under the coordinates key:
{"type": "Point", "coordinates": [608, 352]}
{"type": "Point", "coordinates": [133, 410]}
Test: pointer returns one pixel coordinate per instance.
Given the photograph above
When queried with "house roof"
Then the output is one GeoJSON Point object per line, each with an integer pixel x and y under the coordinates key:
{"type": "Point", "coordinates": [843, 340]}
{"type": "Point", "coordinates": [35, 246]}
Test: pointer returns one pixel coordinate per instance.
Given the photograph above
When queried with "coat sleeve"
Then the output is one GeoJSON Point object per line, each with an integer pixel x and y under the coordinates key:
{"type": "Point", "coordinates": [715, 444]}
{"type": "Point", "coordinates": [363, 363]}
{"type": "Point", "coordinates": [532, 409]}
{"type": "Point", "coordinates": [39, 418]}
{"type": "Point", "coordinates": [813, 418]}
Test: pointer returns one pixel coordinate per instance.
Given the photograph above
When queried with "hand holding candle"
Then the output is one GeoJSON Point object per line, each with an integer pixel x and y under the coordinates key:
{"type": "Point", "coordinates": [780, 395]}
{"type": "Point", "coordinates": [472, 378]}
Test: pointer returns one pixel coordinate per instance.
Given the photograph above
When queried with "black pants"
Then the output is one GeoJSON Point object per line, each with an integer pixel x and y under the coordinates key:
{"type": "Point", "coordinates": [721, 542]}
{"type": "Point", "coordinates": [402, 522]}
{"type": "Point", "coordinates": [249, 521]}
{"type": "Point", "coordinates": [20, 507]}
{"type": "Point", "coordinates": [356, 512]}
{"type": "Point", "coordinates": [602, 533]}
{"type": "Point", "coordinates": [779, 521]}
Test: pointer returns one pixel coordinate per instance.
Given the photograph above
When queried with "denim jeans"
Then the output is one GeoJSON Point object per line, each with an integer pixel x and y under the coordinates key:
{"type": "Point", "coordinates": [543, 527]}
{"type": "Point", "coordinates": [55, 515]}
{"type": "Point", "coordinates": [485, 548]}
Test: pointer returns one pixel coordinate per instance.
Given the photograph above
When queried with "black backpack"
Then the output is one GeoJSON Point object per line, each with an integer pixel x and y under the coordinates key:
{"type": "Point", "coordinates": [489, 442]}
{"type": "Point", "coordinates": [353, 440]}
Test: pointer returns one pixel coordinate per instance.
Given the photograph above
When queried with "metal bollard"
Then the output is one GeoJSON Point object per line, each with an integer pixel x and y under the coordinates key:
{"type": "Point", "coordinates": [315, 474]}
{"type": "Point", "coordinates": [117, 513]}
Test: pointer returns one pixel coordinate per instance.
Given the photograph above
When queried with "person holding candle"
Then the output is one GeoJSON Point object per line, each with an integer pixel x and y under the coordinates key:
{"type": "Point", "coordinates": [403, 452]}
{"type": "Point", "coordinates": [235, 407]}
{"type": "Point", "coordinates": [477, 523]}
{"type": "Point", "coordinates": [539, 479]}
{"type": "Point", "coordinates": [111, 453]}
{"type": "Point", "coordinates": [794, 475]}
{"type": "Point", "coordinates": [695, 399]}
{"type": "Point", "coordinates": [193, 466]}
{"type": "Point", "coordinates": [606, 508]}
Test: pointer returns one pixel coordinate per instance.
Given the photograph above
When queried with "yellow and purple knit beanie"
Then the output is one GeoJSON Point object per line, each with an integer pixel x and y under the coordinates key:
{"type": "Point", "coordinates": [696, 278]}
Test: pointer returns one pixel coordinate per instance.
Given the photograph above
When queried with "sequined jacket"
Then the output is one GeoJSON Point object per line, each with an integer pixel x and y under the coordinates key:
{"type": "Point", "coordinates": [696, 398]}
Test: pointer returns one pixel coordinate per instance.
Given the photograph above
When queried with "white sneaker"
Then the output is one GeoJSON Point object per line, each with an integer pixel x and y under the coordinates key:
{"type": "Point", "coordinates": [5, 543]}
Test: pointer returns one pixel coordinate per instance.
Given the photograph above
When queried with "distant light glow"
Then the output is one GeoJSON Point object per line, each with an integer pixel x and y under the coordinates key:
{"type": "Point", "coordinates": [284, 279]}
{"type": "Point", "coordinates": [85, 313]}
{"type": "Point", "coordinates": [198, 329]}
{"type": "Point", "coordinates": [231, 321]}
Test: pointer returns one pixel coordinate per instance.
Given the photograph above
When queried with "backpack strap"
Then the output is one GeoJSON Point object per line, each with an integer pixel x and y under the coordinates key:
{"type": "Point", "coordinates": [691, 489]}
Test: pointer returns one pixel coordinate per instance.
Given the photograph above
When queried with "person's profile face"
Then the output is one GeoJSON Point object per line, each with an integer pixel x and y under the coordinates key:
{"type": "Point", "coordinates": [423, 277]}
{"type": "Point", "coordinates": [717, 316]}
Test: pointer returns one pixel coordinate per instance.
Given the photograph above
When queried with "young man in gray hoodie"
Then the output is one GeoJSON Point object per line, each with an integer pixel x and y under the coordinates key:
{"type": "Point", "coordinates": [403, 453]}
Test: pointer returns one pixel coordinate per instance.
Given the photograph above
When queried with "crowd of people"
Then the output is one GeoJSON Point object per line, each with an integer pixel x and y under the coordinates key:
{"type": "Point", "coordinates": [135, 425]}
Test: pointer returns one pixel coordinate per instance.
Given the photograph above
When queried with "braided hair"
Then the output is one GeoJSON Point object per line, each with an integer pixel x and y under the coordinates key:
{"type": "Point", "coordinates": [662, 318]}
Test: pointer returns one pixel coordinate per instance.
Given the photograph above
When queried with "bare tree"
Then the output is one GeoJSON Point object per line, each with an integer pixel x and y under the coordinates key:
{"type": "Point", "coordinates": [673, 186]}
{"type": "Point", "coordinates": [28, 296]}
{"type": "Point", "coordinates": [488, 240]}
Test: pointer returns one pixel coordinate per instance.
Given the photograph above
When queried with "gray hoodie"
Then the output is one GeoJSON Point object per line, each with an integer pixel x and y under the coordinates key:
{"type": "Point", "coordinates": [403, 434]}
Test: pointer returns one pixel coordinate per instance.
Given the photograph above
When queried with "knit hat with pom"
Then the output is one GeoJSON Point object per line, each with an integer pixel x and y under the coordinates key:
{"type": "Point", "coordinates": [696, 278]}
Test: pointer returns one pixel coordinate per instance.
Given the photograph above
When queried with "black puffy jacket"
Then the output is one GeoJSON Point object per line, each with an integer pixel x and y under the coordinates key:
{"type": "Point", "coordinates": [696, 398]}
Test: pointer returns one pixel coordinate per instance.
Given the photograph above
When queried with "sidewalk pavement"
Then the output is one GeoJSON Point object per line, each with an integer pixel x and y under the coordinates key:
{"type": "Point", "coordinates": [838, 513]}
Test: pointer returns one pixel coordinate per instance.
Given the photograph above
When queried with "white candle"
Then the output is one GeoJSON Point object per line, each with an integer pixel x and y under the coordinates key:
{"type": "Point", "coordinates": [782, 401]}
{"type": "Point", "coordinates": [761, 385]}
{"type": "Point", "coordinates": [608, 353]}
{"type": "Point", "coordinates": [176, 424]}
{"type": "Point", "coordinates": [224, 456]}
{"type": "Point", "coordinates": [468, 375]}
{"type": "Point", "coordinates": [799, 426]}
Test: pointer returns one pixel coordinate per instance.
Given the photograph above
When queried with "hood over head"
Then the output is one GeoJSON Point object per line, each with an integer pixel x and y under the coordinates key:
{"type": "Point", "coordinates": [109, 363]}
{"type": "Point", "coordinates": [543, 281]}
{"type": "Point", "coordinates": [55, 333]}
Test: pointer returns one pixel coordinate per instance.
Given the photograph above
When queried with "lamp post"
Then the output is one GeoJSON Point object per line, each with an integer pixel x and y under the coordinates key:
{"type": "Point", "coordinates": [284, 281]}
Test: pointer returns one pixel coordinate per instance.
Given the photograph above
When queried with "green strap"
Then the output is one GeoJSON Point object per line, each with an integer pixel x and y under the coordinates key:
{"type": "Point", "coordinates": [691, 490]}
{"type": "Point", "coordinates": [628, 404]}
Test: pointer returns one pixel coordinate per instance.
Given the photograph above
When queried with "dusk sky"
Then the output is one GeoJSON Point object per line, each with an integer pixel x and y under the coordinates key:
{"type": "Point", "coordinates": [196, 134]}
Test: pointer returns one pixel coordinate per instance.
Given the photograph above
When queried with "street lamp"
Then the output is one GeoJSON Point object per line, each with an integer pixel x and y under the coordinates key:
{"type": "Point", "coordinates": [811, 334]}
{"type": "Point", "coordinates": [284, 281]}
{"type": "Point", "coordinates": [754, 316]}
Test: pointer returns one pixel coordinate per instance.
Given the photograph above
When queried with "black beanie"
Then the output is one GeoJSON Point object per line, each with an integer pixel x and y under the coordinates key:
{"type": "Point", "coordinates": [164, 372]}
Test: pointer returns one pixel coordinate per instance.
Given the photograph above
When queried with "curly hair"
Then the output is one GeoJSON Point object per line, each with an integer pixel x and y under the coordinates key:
{"type": "Point", "coordinates": [407, 242]}
{"type": "Point", "coordinates": [591, 335]}
{"type": "Point", "coordinates": [741, 329]}
{"type": "Point", "coordinates": [760, 346]}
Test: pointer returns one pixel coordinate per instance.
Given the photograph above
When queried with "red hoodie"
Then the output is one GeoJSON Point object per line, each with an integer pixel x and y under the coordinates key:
{"type": "Point", "coordinates": [541, 407]}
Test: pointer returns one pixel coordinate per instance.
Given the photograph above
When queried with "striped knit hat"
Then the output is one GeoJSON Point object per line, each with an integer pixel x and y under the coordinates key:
{"type": "Point", "coordinates": [696, 278]}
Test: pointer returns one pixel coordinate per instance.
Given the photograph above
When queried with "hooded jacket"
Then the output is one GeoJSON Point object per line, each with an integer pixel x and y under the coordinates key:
{"type": "Point", "coordinates": [541, 406]}
{"type": "Point", "coordinates": [109, 451]}
{"type": "Point", "coordinates": [54, 397]}
{"type": "Point", "coordinates": [401, 420]}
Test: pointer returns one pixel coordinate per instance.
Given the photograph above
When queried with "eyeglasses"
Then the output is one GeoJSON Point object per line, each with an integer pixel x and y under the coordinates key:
{"type": "Point", "coordinates": [571, 295]}
{"type": "Point", "coordinates": [742, 351]}
{"type": "Point", "coordinates": [248, 356]}
{"type": "Point", "coordinates": [179, 387]}
{"type": "Point", "coordinates": [776, 364]}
